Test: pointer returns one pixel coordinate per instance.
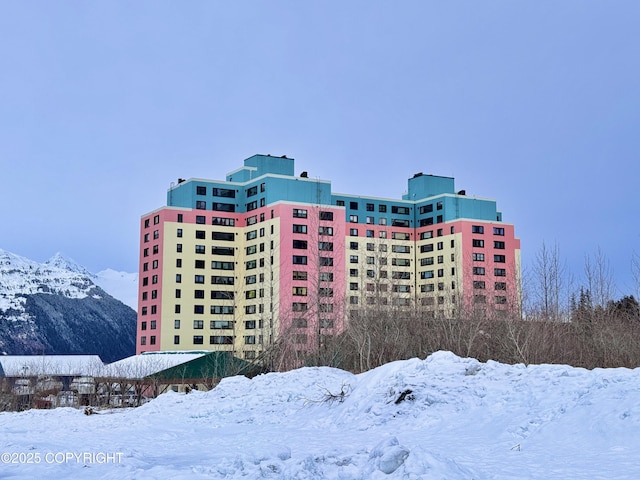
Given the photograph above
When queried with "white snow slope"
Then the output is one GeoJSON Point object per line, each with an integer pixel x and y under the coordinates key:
{"type": "Point", "coordinates": [463, 420]}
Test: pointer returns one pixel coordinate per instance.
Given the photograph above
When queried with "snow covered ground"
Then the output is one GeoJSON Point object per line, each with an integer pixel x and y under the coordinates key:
{"type": "Point", "coordinates": [439, 418]}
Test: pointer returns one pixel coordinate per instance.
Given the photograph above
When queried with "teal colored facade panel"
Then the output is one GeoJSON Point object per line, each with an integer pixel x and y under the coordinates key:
{"type": "Point", "coordinates": [425, 186]}
{"type": "Point", "coordinates": [473, 208]}
{"type": "Point", "coordinates": [182, 195]}
{"type": "Point", "coordinates": [300, 190]}
{"type": "Point", "coordinates": [267, 164]}
{"type": "Point", "coordinates": [242, 175]}
{"type": "Point", "coordinates": [259, 165]}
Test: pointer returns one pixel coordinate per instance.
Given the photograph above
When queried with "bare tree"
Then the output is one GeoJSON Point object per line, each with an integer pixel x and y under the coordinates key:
{"type": "Point", "coordinates": [548, 285]}
{"type": "Point", "coordinates": [599, 278]}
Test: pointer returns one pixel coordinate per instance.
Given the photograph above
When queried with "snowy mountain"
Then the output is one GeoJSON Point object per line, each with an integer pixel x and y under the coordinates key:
{"type": "Point", "coordinates": [443, 417]}
{"type": "Point", "coordinates": [59, 307]}
{"type": "Point", "coordinates": [120, 285]}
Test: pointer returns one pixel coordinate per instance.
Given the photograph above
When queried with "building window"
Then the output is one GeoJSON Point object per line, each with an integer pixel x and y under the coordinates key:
{"type": "Point", "coordinates": [299, 260]}
{"type": "Point", "coordinates": [223, 192]}
{"type": "Point", "coordinates": [326, 216]}
{"type": "Point", "coordinates": [477, 257]}
{"type": "Point", "coordinates": [477, 229]}
{"type": "Point", "coordinates": [300, 244]}
{"type": "Point", "coordinates": [438, 205]}
{"type": "Point", "coordinates": [198, 279]}
{"type": "Point", "coordinates": [299, 228]}
{"type": "Point", "coordinates": [400, 210]}
{"type": "Point", "coordinates": [198, 339]}
{"type": "Point", "coordinates": [353, 259]}
{"type": "Point", "coordinates": [500, 272]}
{"type": "Point", "coordinates": [299, 307]}
{"type": "Point", "coordinates": [298, 275]}
{"type": "Point", "coordinates": [353, 218]}
{"type": "Point", "coordinates": [221, 340]}
{"type": "Point", "coordinates": [478, 243]}
{"type": "Point", "coordinates": [220, 325]}
{"type": "Point", "coordinates": [326, 261]}
{"type": "Point", "coordinates": [200, 219]}
{"type": "Point", "coordinates": [478, 285]}
{"type": "Point", "coordinates": [498, 231]}
{"type": "Point", "coordinates": [299, 213]}
{"type": "Point", "coordinates": [499, 258]}
{"type": "Point", "coordinates": [300, 291]}
{"type": "Point", "coordinates": [340, 203]}
{"type": "Point", "coordinates": [478, 270]}
{"type": "Point", "coordinates": [325, 246]}
{"type": "Point", "coordinates": [152, 340]}
{"type": "Point", "coordinates": [223, 207]}
{"type": "Point", "coordinates": [353, 205]}
{"type": "Point", "coordinates": [223, 236]}
{"type": "Point", "coordinates": [498, 245]}
{"type": "Point", "coordinates": [396, 222]}
{"type": "Point", "coordinates": [198, 324]}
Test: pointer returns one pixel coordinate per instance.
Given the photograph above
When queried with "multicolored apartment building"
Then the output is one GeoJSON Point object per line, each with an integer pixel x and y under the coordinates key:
{"type": "Point", "coordinates": [268, 255]}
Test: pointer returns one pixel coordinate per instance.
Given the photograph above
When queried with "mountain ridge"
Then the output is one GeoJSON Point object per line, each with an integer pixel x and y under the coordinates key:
{"type": "Point", "coordinates": [59, 307]}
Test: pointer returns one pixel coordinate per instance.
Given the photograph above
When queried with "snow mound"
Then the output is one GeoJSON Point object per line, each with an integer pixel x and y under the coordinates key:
{"type": "Point", "coordinates": [443, 417]}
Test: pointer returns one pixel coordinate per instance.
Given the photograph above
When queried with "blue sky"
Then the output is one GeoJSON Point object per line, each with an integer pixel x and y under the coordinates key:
{"type": "Point", "coordinates": [532, 103]}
